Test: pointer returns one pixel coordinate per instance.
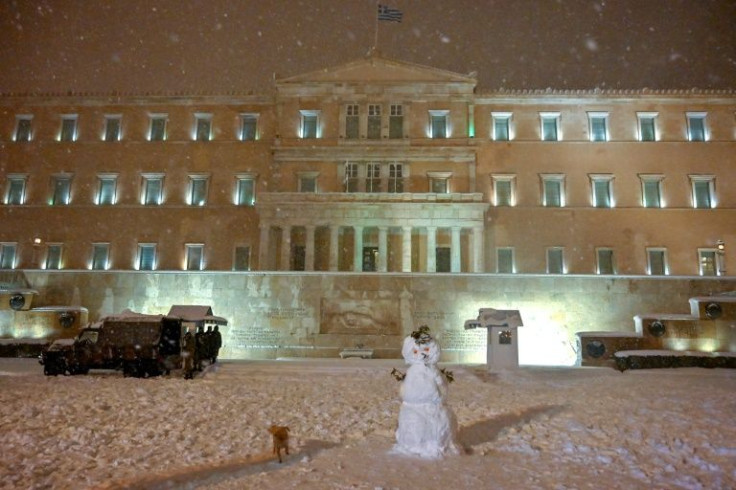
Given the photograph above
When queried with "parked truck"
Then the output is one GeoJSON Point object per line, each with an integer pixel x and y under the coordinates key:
{"type": "Point", "coordinates": [139, 345]}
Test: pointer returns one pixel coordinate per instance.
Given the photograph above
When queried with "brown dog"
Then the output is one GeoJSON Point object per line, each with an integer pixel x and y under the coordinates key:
{"type": "Point", "coordinates": [280, 439]}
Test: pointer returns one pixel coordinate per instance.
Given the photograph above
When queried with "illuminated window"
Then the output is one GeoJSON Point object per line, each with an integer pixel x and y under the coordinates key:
{"type": "Point", "coordinates": [310, 124]}
{"type": "Point", "coordinates": [703, 191]}
{"type": "Point", "coordinates": [351, 182]}
{"type": "Point", "coordinates": [153, 185]}
{"type": "Point", "coordinates": [651, 190]}
{"type": "Point", "coordinates": [16, 190]}
{"type": "Point", "coordinates": [395, 177]}
{"type": "Point", "coordinates": [505, 260]}
{"type": "Point", "coordinates": [696, 130]}
{"type": "Point", "coordinates": [198, 190]}
{"type": "Point", "coordinates": [374, 121]}
{"type": "Point", "coordinates": [7, 255]}
{"type": "Point", "coordinates": [100, 256]}
{"type": "Point", "coordinates": [396, 122]}
{"type": "Point", "coordinates": [146, 256]}
{"type": "Point", "coordinates": [439, 182]}
{"type": "Point", "coordinates": [598, 123]}
{"type": "Point", "coordinates": [352, 121]}
{"type": "Point", "coordinates": [241, 261]}
{"type": "Point", "coordinates": [61, 190]}
{"type": "Point", "coordinates": [373, 177]}
{"type": "Point", "coordinates": [202, 127]}
{"type": "Point", "coordinates": [555, 261]}
{"type": "Point", "coordinates": [438, 124]}
{"type": "Point", "coordinates": [602, 190]}
{"type": "Point", "coordinates": [245, 190]}
{"type": "Point", "coordinates": [553, 190]}
{"type": "Point", "coordinates": [657, 261]}
{"type": "Point", "coordinates": [501, 126]}
{"type": "Point", "coordinates": [647, 126]}
{"type": "Point", "coordinates": [503, 190]}
{"type": "Point", "coordinates": [113, 127]}
{"type": "Point", "coordinates": [68, 128]}
{"type": "Point", "coordinates": [604, 261]}
{"type": "Point", "coordinates": [53, 256]}
{"type": "Point", "coordinates": [157, 130]}
{"type": "Point", "coordinates": [707, 262]}
{"type": "Point", "coordinates": [248, 127]}
{"type": "Point", "coordinates": [106, 189]}
{"type": "Point", "coordinates": [308, 181]}
{"type": "Point", "coordinates": [23, 127]}
{"type": "Point", "coordinates": [550, 122]}
{"type": "Point", "coordinates": [195, 256]}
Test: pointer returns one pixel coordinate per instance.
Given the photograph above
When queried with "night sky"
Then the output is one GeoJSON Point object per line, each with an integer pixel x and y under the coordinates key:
{"type": "Point", "coordinates": [219, 46]}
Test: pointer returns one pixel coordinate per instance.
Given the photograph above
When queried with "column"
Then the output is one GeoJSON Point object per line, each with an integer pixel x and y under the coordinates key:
{"type": "Point", "coordinates": [334, 235]}
{"type": "Point", "coordinates": [309, 249]}
{"type": "Point", "coordinates": [285, 248]}
{"type": "Point", "coordinates": [358, 248]}
{"type": "Point", "coordinates": [406, 249]}
{"type": "Point", "coordinates": [455, 249]}
{"type": "Point", "coordinates": [431, 249]}
{"type": "Point", "coordinates": [382, 248]}
{"type": "Point", "coordinates": [263, 247]}
{"type": "Point", "coordinates": [477, 252]}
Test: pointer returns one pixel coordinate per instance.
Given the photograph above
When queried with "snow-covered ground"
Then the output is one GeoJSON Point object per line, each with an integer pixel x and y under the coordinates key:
{"type": "Point", "coordinates": [545, 428]}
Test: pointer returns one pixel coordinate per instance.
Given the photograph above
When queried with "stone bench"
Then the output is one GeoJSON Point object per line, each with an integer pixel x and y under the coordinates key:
{"type": "Point", "coordinates": [362, 353]}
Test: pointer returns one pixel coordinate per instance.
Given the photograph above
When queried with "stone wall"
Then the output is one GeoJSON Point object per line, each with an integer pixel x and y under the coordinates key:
{"type": "Point", "coordinates": [286, 314]}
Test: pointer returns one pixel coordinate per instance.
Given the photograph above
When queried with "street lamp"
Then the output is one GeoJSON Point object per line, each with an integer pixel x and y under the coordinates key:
{"type": "Point", "coordinates": [721, 257]}
{"type": "Point", "coordinates": [36, 246]}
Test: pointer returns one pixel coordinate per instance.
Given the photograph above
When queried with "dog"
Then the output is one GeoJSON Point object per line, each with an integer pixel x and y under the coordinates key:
{"type": "Point", "coordinates": [280, 435]}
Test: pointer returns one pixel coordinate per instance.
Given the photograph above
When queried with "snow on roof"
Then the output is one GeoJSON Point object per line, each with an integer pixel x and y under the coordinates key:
{"type": "Point", "coordinates": [195, 313]}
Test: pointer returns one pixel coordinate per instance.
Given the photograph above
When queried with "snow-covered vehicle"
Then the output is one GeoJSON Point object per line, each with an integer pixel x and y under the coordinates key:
{"type": "Point", "coordinates": [140, 345]}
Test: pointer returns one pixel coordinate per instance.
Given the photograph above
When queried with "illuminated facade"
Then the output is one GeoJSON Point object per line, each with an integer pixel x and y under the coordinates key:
{"type": "Point", "coordinates": [375, 166]}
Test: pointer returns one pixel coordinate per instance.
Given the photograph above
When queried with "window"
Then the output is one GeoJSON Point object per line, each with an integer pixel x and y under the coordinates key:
{"type": "Point", "coordinates": [555, 262]}
{"type": "Point", "coordinates": [106, 189]}
{"type": "Point", "coordinates": [195, 254]}
{"type": "Point", "coordinates": [647, 126]}
{"type": "Point", "coordinates": [202, 127]}
{"type": "Point", "coordinates": [598, 122]}
{"type": "Point", "coordinates": [373, 177]}
{"type": "Point", "coordinates": [439, 182]}
{"type": "Point", "coordinates": [395, 177]}
{"type": "Point", "coordinates": [61, 190]}
{"type": "Point", "coordinates": [198, 190]}
{"type": "Point", "coordinates": [351, 177]}
{"type": "Point", "coordinates": [113, 127]}
{"type": "Point", "coordinates": [438, 127]}
{"type": "Point", "coordinates": [396, 122]}
{"type": "Point", "coordinates": [16, 190]}
{"type": "Point", "coordinates": [703, 187]}
{"type": "Point", "coordinates": [553, 190]}
{"type": "Point", "coordinates": [241, 261]}
{"type": "Point", "coordinates": [550, 126]}
{"type": "Point", "coordinates": [245, 189]}
{"type": "Point", "coordinates": [157, 130]}
{"type": "Point", "coordinates": [374, 121]}
{"type": "Point", "coordinates": [248, 127]}
{"type": "Point", "coordinates": [505, 260]}
{"type": "Point", "coordinates": [153, 185]}
{"type": "Point", "coordinates": [501, 129]}
{"type": "Point", "coordinates": [100, 256]}
{"type": "Point", "coordinates": [68, 128]}
{"type": "Point", "coordinates": [696, 130]}
{"type": "Point", "coordinates": [53, 256]}
{"type": "Point", "coordinates": [308, 181]}
{"type": "Point", "coordinates": [651, 190]}
{"type": "Point", "coordinates": [602, 190]}
{"type": "Point", "coordinates": [310, 123]}
{"type": "Point", "coordinates": [604, 261]}
{"type": "Point", "coordinates": [503, 190]}
{"type": "Point", "coordinates": [146, 256]}
{"type": "Point", "coordinates": [657, 261]}
{"type": "Point", "coordinates": [23, 127]}
{"type": "Point", "coordinates": [708, 262]}
{"type": "Point", "coordinates": [352, 121]}
{"type": "Point", "coordinates": [7, 255]}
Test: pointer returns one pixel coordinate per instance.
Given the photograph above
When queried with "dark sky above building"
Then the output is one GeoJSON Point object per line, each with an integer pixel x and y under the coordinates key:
{"type": "Point", "coordinates": [223, 46]}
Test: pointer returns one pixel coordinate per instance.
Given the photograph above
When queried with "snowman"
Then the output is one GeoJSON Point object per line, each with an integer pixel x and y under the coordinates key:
{"type": "Point", "coordinates": [427, 427]}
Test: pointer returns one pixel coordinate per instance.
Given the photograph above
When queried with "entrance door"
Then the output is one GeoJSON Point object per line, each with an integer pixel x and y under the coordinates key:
{"type": "Point", "coordinates": [443, 259]}
{"type": "Point", "coordinates": [370, 259]}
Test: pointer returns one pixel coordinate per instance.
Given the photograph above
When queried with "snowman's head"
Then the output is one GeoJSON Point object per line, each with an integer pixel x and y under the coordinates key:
{"type": "Point", "coordinates": [420, 348]}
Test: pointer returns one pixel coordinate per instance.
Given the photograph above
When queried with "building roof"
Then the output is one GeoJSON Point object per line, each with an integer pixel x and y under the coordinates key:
{"type": "Point", "coordinates": [196, 313]}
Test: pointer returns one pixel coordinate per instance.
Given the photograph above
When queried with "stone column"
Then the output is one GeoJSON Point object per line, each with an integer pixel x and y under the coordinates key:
{"type": "Point", "coordinates": [477, 253]}
{"type": "Point", "coordinates": [358, 248]}
{"type": "Point", "coordinates": [431, 249]}
{"type": "Point", "coordinates": [382, 248]}
{"type": "Point", "coordinates": [406, 249]}
{"type": "Point", "coordinates": [309, 249]}
{"type": "Point", "coordinates": [455, 250]}
{"type": "Point", "coordinates": [334, 235]}
{"type": "Point", "coordinates": [285, 248]}
{"type": "Point", "coordinates": [263, 247]}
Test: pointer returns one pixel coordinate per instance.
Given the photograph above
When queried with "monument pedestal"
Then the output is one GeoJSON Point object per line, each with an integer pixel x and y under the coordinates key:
{"type": "Point", "coordinates": [503, 339]}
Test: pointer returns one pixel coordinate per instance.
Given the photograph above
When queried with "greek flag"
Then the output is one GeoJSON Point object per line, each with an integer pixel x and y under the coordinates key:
{"type": "Point", "coordinates": [387, 13]}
